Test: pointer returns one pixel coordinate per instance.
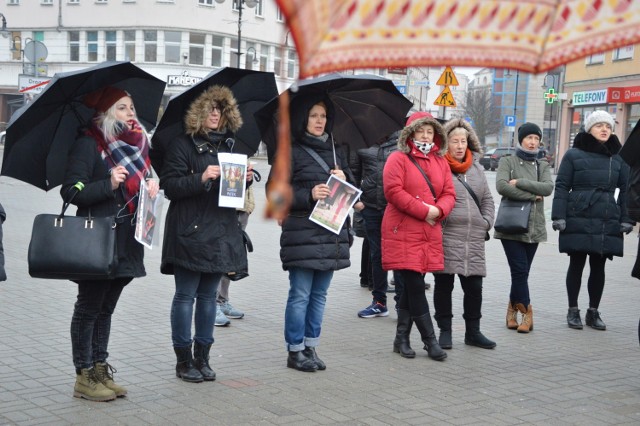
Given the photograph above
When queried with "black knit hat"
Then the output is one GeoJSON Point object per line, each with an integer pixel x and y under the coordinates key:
{"type": "Point", "coordinates": [528, 129]}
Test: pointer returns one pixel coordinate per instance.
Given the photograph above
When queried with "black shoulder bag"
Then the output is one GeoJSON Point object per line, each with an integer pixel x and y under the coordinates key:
{"type": "Point", "coordinates": [513, 215]}
{"type": "Point", "coordinates": [487, 236]}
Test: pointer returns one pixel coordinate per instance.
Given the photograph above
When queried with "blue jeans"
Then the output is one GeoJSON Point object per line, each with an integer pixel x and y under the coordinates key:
{"type": "Point", "coordinates": [520, 257]}
{"type": "Point", "coordinates": [199, 287]}
{"type": "Point", "coordinates": [372, 224]}
{"type": "Point", "coordinates": [305, 307]}
{"type": "Point", "coordinates": [91, 321]}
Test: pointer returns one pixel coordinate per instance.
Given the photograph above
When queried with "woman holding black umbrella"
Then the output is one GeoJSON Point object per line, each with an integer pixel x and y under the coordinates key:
{"type": "Point", "coordinates": [106, 166]}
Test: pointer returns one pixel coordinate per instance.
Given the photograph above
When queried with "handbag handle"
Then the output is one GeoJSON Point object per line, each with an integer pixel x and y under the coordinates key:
{"type": "Point", "coordinates": [473, 194]}
{"type": "Point", "coordinates": [66, 203]}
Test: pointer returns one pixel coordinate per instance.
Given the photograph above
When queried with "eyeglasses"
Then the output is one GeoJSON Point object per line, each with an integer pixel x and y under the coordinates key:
{"type": "Point", "coordinates": [215, 108]}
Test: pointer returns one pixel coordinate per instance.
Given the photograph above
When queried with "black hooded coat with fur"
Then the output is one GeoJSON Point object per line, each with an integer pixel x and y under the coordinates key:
{"type": "Point", "coordinates": [199, 235]}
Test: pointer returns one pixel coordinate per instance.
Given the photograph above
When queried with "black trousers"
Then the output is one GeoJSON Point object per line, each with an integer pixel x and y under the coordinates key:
{"type": "Point", "coordinates": [413, 297]}
{"type": "Point", "coordinates": [595, 284]}
{"type": "Point", "coordinates": [471, 302]}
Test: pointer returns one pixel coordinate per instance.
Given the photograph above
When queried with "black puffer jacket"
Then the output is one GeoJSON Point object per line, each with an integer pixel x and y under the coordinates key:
{"type": "Point", "coordinates": [85, 165]}
{"type": "Point", "coordinates": [367, 166]}
{"type": "Point", "coordinates": [585, 186]}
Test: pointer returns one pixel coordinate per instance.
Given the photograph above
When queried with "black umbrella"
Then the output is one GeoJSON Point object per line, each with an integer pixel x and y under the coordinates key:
{"type": "Point", "coordinates": [40, 133]}
{"type": "Point", "coordinates": [365, 108]}
{"type": "Point", "coordinates": [252, 89]}
{"type": "Point", "coordinates": [630, 151]}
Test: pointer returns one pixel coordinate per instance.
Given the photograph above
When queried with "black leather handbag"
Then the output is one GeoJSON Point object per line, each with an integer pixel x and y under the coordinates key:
{"type": "Point", "coordinates": [73, 247]}
{"type": "Point", "coordinates": [513, 216]}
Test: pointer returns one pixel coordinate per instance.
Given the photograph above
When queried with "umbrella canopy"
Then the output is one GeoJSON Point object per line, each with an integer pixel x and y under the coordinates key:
{"type": "Point", "coordinates": [40, 133]}
{"type": "Point", "coordinates": [362, 108]}
{"type": "Point", "coordinates": [252, 89]}
{"type": "Point", "coordinates": [529, 36]}
{"type": "Point", "coordinates": [630, 151]}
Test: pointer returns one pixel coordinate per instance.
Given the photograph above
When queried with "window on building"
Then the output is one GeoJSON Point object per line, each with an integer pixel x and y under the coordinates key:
{"type": "Point", "coordinates": [196, 48]}
{"type": "Point", "coordinates": [277, 62]}
{"type": "Point", "coordinates": [92, 46]}
{"type": "Point", "coordinates": [258, 8]}
{"type": "Point", "coordinates": [110, 45]}
{"type": "Point", "coordinates": [73, 1]}
{"type": "Point", "coordinates": [597, 58]}
{"type": "Point", "coordinates": [264, 58]}
{"type": "Point", "coordinates": [216, 51]}
{"type": "Point", "coordinates": [172, 46]}
{"type": "Point", "coordinates": [279, 15]}
{"type": "Point", "coordinates": [16, 45]}
{"type": "Point", "coordinates": [47, 2]}
{"type": "Point", "coordinates": [291, 63]}
{"type": "Point", "coordinates": [205, 2]}
{"type": "Point", "coordinates": [101, 1]}
{"type": "Point", "coordinates": [74, 46]}
{"type": "Point", "coordinates": [622, 53]}
{"type": "Point", "coordinates": [150, 46]}
{"type": "Point", "coordinates": [129, 45]}
{"type": "Point", "coordinates": [13, 2]}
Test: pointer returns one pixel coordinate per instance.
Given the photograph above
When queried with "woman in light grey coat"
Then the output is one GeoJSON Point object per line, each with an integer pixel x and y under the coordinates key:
{"type": "Point", "coordinates": [464, 234]}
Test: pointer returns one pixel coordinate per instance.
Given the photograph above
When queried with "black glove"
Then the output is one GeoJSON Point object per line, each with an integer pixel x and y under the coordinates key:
{"type": "Point", "coordinates": [626, 228]}
{"type": "Point", "coordinates": [559, 225]}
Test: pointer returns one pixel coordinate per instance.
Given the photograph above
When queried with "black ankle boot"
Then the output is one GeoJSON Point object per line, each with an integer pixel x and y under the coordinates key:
{"type": "Point", "coordinates": [300, 362]}
{"type": "Point", "coordinates": [184, 368]}
{"type": "Point", "coordinates": [425, 326]}
{"type": "Point", "coordinates": [446, 339]}
{"type": "Point", "coordinates": [201, 361]}
{"type": "Point", "coordinates": [593, 320]}
{"type": "Point", "coordinates": [401, 343]}
{"type": "Point", "coordinates": [473, 336]}
{"type": "Point", "coordinates": [311, 354]}
{"type": "Point", "coordinates": [573, 318]}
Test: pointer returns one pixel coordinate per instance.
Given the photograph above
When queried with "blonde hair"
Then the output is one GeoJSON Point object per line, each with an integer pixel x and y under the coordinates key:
{"type": "Point", "coordinates": [109, 124]}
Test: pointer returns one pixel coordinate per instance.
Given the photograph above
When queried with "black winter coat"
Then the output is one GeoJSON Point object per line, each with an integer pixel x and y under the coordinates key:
{"type": "Point", "coordinates": [303, 243]}
{"type": "Point", "coordinates": [199, 235]}
{"type": "Point", "coordinates": [85, 165]}
{"type": "Point", "coordinates": [3, 274]}
{"type": "Point", "coordinates": [585, 186]}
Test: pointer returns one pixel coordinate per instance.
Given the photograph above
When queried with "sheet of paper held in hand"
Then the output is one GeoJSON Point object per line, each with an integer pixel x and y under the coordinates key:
{"type": "Point", "coordinates": [331, 212]}
{"type": "Point", "coordinates": [148, 217]}
{"type": "Point", "coordinates": [233, 179]}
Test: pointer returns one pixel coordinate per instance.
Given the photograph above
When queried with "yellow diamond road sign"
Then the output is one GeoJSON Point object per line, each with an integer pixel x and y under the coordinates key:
{"type": "Point", "coordinates": [445, 98]}
{"type": "Point", "coordinates": [448, 78]}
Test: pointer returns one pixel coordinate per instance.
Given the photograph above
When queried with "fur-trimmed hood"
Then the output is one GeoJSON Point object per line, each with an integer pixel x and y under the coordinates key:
{"type": "Point", "coordinates": [440, 138]}
{"type": "Point", "coordinates": [473, 142]}
{"type": "Point", "coordinates": [199, 110]}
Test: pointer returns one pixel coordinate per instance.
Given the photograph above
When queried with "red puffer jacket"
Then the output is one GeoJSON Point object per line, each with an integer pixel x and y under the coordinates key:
{"type": "Point", "coordinates": [408, 241]}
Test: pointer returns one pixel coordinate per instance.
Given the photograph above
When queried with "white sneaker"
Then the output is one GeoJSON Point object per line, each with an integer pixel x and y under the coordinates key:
{"type": "Point", "coordinates": [221, 319]}
{"type": "Point", "coordinates": [230, 311]}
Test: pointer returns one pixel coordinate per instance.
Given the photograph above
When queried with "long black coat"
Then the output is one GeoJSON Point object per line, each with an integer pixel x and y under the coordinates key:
{"type": "Point", "coordinates": [199, 235]}
{"type": "Point", "coordinates": [85, 165]}
{"type": "Point", "coordinates": [587, 179]}
{"type": "Point", "coordinates": [303, 243]}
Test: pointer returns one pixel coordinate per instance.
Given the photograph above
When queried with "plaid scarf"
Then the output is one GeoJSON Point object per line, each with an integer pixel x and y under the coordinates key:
{"type": "Point", "coordinates": [130, 150]}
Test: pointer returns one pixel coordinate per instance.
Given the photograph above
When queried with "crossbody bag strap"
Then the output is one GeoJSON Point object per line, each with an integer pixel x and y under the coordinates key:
{"type": "Point", "coordinates": [473, 194]}
{"type": "Point", "coordinates": [424, 175]}
{"type": "Point", "coordinates": [318, 159]}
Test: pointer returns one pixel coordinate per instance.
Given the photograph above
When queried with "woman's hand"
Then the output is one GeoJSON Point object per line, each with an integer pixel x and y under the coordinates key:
{"type": "Point", "coordinates": [513, 182]}
{"type": "Point", "coordinates": [320, 192]}
{"type": "Point", "coordinates": [211, 172]}
{"type": "Point", "coordinates": [339, 174]}
{"type": "Point", "coordinates": [153, 187]}
{"type": "Point", "coordinates": [118, 175]}
{"type": "Point", "coordinates": [433, 214]}
{"type": "Point", "coordinates": [359, 206]}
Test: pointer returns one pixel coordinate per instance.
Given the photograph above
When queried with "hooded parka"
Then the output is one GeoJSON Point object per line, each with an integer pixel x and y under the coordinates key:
{"type": "Point", "coordinates": [466, 226]}
{"type": "Point", "coordinates": [586, 183]}
{"type": "Point", "coordinates": [199, 235]}
{"type": "Point", "coordinates": [408, 241]}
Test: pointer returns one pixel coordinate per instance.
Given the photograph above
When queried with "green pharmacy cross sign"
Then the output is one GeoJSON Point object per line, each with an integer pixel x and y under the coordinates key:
{"type": "Point", "coordinates": [551, 96]}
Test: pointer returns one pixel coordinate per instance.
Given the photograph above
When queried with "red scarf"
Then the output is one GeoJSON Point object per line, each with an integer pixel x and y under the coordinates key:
{"type": "Point", "coordinates": [131, 150]}
{"type": "Point", "coordinates": [457, 166]}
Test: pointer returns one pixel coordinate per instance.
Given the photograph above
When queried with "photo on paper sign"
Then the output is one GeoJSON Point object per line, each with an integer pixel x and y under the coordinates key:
{"type": "Point", "coordinates": [233, 179]}
{"type": "Point", "coordinates": [148, 217]}
{"type": "Point", "coordinates": [331, 212]}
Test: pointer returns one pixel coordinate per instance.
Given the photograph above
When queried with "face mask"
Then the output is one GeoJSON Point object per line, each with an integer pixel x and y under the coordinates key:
{"type": "Point", "coordinates": [425, 147]}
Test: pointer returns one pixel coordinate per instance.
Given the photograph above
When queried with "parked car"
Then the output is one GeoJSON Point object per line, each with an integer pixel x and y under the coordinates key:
{"type": "Point", "coordinates": [485, 161]}
{"type": "Point", "coordinates": [498, 154]}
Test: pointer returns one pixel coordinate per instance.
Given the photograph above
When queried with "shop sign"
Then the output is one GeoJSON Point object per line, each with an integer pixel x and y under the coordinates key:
{"type": "Point", "coordinates": [590, 97]}
{"type": "Point", "coordinates": [183, 79]}
{"type": "Point", "coordinates": [623, 94]}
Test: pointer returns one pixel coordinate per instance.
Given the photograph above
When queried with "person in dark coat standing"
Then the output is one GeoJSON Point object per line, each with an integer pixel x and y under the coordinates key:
{"type": "Point", "coordinates": [3, 273]}
{"type": "Point", "coordinates": [308, 251]}
{"type": "Point", "coordinates": [412, 223]}
{"type": "Point", "coordinates": [106, 166]}
{"type": "Point", "coordinates": [586, 211]}
{"type": "Point", "coordinates": [202, 241]}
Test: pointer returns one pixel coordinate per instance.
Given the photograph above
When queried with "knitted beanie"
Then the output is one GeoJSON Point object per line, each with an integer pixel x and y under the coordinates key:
{"type": "Point", "coordinates": [596, 117]}
{"type": "Point", "coordinates": [102, 99]}
{"type": "Point", "coordinates": [528, 129]}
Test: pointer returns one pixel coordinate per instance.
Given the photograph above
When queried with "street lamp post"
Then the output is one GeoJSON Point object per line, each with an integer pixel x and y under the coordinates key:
{"type": "Point", "coordinates": [241, 3]}
{"type": "Point", "coordinates": [515, 107]}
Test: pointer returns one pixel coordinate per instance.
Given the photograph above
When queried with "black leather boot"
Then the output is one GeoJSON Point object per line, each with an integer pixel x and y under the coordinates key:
{"type": "Point", "coordinates": [473, 336]}
{"type": "Point", "coordinates": [425, 326]}
{"type": "Point", "coordinates": [201, 361]}
{"type": "Point", "coordinates": [401, 343]}
{"type": "Point", "coordinates": [445, 340]}
{"type": "Point", "coordinates": [300, 362]}
{"type": "Point", "coordinates": [573, 318]}
{"type": "Point", "coordinates": [311, 354]}
{"type": "Point", "coordinates": [184, 368]}
{"type": "Point", "coordinates": [593, 320]}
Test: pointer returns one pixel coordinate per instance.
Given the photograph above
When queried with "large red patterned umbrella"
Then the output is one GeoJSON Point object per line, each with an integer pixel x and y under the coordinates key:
{"type": "Point", "coordinates": [528, 35]}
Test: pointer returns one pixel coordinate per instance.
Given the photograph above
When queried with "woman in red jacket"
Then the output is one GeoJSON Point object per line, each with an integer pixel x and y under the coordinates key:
{"type": "Point", "coordinates": [418, 187]}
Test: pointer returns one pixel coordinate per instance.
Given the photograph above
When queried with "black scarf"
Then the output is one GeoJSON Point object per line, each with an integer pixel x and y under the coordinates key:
{"type": "Point", "coordinates": [526, 155]}
{"type": "Point", "coordinates": [587, 142]}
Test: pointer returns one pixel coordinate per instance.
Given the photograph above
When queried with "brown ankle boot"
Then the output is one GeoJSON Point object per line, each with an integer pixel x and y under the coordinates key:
{"type": "Point", "coordinates": [527, 318]}
{"type": "Point", "coordinates": [512, 317]}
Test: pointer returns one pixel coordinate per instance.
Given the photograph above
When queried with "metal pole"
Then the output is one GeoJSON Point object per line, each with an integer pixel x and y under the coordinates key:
{"type": "Point", "coordinates": [240, 2]}
{"type": "Point", "coordinates": [515, 114]}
